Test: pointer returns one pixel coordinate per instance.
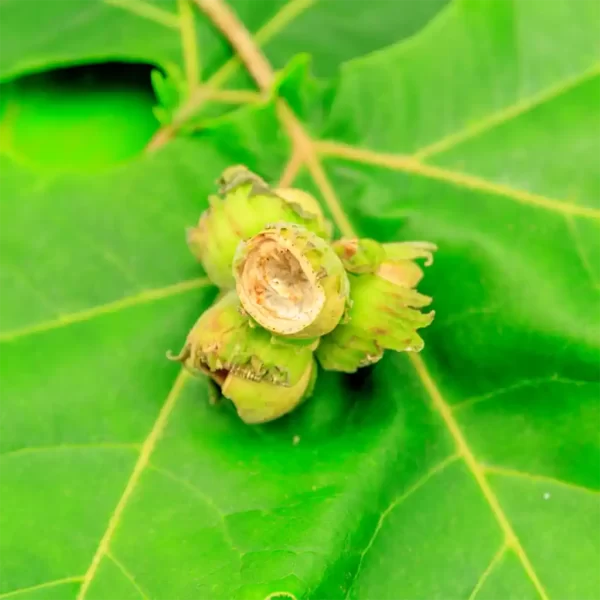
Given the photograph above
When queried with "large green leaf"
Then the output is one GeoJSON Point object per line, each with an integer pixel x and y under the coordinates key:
{"type": "Point", "coordinates": [37, 34]}
{"type": "Point", "coordinates": [472, 473]}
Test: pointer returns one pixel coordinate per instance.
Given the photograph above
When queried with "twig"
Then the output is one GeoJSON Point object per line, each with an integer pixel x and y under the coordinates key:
{"type": "Point", "coordinates": [291, 170]}
{"type": "Point", "coordinates": [259, 67]}
{"type": "Point", "coordinates": [240, 39]}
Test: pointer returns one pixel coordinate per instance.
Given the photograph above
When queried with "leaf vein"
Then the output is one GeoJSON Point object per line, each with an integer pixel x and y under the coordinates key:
{"type": "Point", "coordinates": [87, 314]}
{"type": "Point", "coordinates": [583, 257]}
{"type": "Point", "coordinates": [189, 43]}
{"type": "Point", "coordinates": [505, 115]}
{"type": "Point", "coordinates": [41, 586]}
{"type": "Point", "coordinates": [409, 164]}
{"type": "Point", "coordinates": [290, 11]}
{"type": "Point", "coordinates": [140, 465]}
{"type": "Point", "coordinates": [127, 575]}
{"type": "Point", "coordinates": [395, 503]}
{"type": "Point", "coordinates": [147, 11]}
{"type": "Point", "coordinates": [469, 313]}
{"type": "Point", "coordinates": [200, 494]}
{"type": "Point", "coordinates": [59, 447]}
{"type": "Point", "coordinates": [286, 15]}
{"type": "Point", "coordinates": [517, 386]}
{"type": "Point", "coordinates": [504, 472]}
{"type": "Point", "coordinates": [477, 471]}
{"type": "Point", "coordinates": [495, 560]}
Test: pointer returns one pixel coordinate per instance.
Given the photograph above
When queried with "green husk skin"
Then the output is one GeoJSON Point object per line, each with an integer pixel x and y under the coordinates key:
{"type": "Point", "coordinates": [261, 401]}
{"type": "Point", "coordinates": [247, 207]}
{"type": "Point", "coordinates": [328, 271]}
{"type": "Point", "coordinates": [223, 342]}
{"type": "Point", "coordinates": [308, 207]}
{"type": "Point", "coordinates": [384, 315]}
{"type": "Point", "coordinates": [367, 255]}
{"type": "Point", "coordinates": [359, 256]}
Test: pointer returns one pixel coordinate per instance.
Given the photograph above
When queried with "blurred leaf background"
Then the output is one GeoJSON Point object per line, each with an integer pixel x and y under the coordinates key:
{"type": "Point", "coordinates": [79, 118]}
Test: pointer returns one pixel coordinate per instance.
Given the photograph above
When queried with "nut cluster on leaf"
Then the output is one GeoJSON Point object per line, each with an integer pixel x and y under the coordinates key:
{"type": "Point", "coordinates": [291, 295]}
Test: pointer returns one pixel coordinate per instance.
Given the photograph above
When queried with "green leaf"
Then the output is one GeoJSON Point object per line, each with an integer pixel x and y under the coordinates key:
{"type": "Point", "coordinates": [472, 471]}
{"type": "Point", "coordinates": [66, 119]}
{"type": "Point", "coordinates": [39, 34]}
{"type": "Point", "coordinates": [169, 90]}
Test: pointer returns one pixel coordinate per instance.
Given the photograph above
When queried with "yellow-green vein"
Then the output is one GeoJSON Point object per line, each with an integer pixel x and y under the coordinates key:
{"type": "Point", "coordinates": [397, 501]}
{"type": "Point", "coordinates": [579, 248]}
{"type": "Point", "coordinates": [443, 408]}
{"type": "Point", "coordinates": [495, 560]}
{"type": "Point", "coordinates": [409, 164]}
{"type": "Point", "coordinates": [104, 309]}
{"type": "Point", "coordinates": [189, 44]}
{"type": "Point", "coordinates": [147, 11]}
{"type": "Point", "coordinates": [41, 586]}
{"type": "Point", "coordinates": [202, 496]}
{"type": "Point", "coordinates": [288, 13]}
{"type": "Point", "coordinates": [62, 447]}
{"type": "Point", "coordinates": [524, 383]}
{"type": "Point", "coordinates": [535, 478]}
{"type": "Point", "coordinates": [266, 33]}
{"type": "Point", "coordinates": [147, 450]}
{"type": "Point", "coordinates": [127, 575]}
{"type": "Point", "coordinates": [503, 116]}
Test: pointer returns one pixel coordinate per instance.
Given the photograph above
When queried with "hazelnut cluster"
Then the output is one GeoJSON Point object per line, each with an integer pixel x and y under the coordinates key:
{"type": "Point", "coordinates": [291, 297]}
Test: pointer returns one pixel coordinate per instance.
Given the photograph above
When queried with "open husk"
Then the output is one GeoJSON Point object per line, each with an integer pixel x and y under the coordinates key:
{"type": "Point", "coordinates": [291, 282]}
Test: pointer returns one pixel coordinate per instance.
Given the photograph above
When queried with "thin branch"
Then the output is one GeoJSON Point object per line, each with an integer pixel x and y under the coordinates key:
{"type": "Point", "coordinates": [189, 43]}
{"type": "Point", "coordinates": [228, 23]}
{"type": "Point", "coordinates": [291, 170]}
{"type": "Point", "coordinates": [290, 11]}
{"type": "Point", "coordinates": [258, 66]}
